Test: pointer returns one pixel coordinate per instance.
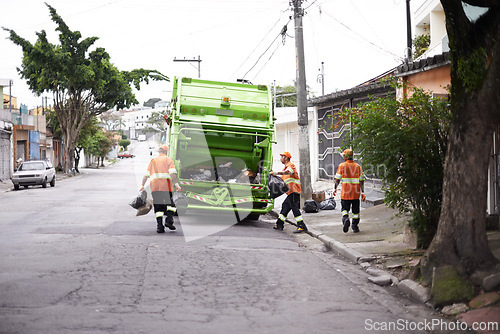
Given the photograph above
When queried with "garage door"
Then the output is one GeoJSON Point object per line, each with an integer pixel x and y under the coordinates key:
{"type": "Point", "coordinates": [4, 155]}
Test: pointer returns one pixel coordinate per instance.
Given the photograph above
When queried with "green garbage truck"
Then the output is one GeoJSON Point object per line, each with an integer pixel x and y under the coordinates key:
{"type": "Point", "coordinates": [220, 137]}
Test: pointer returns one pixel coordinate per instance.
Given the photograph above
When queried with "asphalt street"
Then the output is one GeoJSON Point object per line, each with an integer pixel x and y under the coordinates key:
{"type": "Point", "coordinates": [76, 259]}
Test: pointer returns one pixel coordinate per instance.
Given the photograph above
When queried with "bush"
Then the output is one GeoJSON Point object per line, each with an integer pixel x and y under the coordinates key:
{"type": "Point", "coordinates": [409, 138]}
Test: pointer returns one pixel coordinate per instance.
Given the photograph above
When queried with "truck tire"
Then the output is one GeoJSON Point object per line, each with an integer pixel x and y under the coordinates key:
{"type": "Point", "coordinates": [53, 182]}
{"type": "Point", "coordinates": [16, 187]}
{"type": "Point", "coordinates": [44, 183]}
{"type": "Point", "coordinates": [253, 216]}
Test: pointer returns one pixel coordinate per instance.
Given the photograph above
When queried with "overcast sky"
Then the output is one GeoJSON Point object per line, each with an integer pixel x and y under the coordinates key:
{"type": "Point", "coordinates": [356, 39]}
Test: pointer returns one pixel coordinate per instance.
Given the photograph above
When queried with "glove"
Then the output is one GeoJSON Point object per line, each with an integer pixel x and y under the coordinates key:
{"type": "Point", "coordinates": [363, 197]}
{"type": "Point", "coordinates": [178, 187]}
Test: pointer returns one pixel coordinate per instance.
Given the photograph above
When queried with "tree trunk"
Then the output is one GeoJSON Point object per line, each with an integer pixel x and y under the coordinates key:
{"type": "Point", "coordinates": [70, 138]}
{"type": "Point", "coordinates": [461, 239]}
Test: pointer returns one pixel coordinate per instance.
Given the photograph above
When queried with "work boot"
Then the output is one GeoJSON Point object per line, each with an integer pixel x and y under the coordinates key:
{"type": "Point", "coordinates": [160, 228]}
{"type": "Point", "coordinates": [346, 223]}
{"type": "Point", "coordinates": [169, 223]}
{"type": "Point", "coordinates": [279, 225]}
{"type": "Point", "coordinates": [355, 227]}
{"type": "Point", "coordinates": [301, 227]}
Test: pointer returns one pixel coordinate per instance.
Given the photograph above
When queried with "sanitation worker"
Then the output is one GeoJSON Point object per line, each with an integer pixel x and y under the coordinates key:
{"type": "Point", "coordinates": [292, 201]}
{"type": "Point", "coordinates": [353, 185]}
{"type": "Point", "coordinates": [161, 170]}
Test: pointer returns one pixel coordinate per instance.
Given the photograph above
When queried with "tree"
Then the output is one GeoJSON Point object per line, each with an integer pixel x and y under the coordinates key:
{"type": "Point", "coordinates": [124, 142]}
{"type": "Point", "coordinates": [421, 44]}
{"type": "Point", "coordinates": [403, 142]}
{"type": "Point", "coordinates": [84, 83]}
{"type": "Point", "coordinates": [461, 240]}
{"type": "Point", "coordinates": [99, 145]}
{"type": "Point", "coordinates": [155, 123]}
{"type": "Point", "coordinates": [86, 135]}
{"type": "Point", "coordinates": [287, 96]}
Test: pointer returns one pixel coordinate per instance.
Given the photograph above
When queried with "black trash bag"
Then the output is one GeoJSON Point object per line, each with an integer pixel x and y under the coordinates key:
{"type": "Point", "coordinates": [328, 204]}
{"type": "Point", "coordinates": [311, 206]}
{"type": "Point", "coordinates": [139, 201]}
{"type": "Point", "coordinates": [277, 186]}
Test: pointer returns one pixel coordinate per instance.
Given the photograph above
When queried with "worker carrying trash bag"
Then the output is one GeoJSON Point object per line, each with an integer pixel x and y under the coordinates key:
{"type": "Point", "coordinates": [353, 185]}
{"type": "Point", "coordinates": [292, 201]}
{"type": "Point", "coordinates": [161, 170]}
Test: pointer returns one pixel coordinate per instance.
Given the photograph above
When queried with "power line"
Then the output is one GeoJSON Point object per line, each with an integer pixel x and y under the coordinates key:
{"type": "Point", "coordinates": [282, 33]}
{"type": "Point", "coordinates": [396, 57]}
{"type": "Point", "coordinates": [262, 40]}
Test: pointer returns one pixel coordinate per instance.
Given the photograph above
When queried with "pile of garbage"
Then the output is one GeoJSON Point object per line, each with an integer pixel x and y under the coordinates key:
{"type": "Point", "coordinates": [225, 173]}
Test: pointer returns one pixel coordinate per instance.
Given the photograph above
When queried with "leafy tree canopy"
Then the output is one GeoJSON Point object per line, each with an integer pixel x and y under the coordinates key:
{"type": "Point", "coordinates": [84, 82]}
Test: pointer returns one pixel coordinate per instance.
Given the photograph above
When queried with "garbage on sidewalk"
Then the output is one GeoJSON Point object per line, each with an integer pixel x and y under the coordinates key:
{"type": "Point", "coordinates": [319, 202]}
{"type": "Point", "coordinates": [328, 204]}
{"type": "Point", "coordinates": [311, 206]}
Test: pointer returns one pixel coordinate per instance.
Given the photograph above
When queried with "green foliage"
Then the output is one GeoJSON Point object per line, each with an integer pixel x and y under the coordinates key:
{"type": "Point", "coordinates": [154, 123]}
{"type": "Point", "coordinates": [84, 82]}
{"type": "Point", "coordinates": [471, 70]}
{"type": "Point", "coordinates": [99, 144]}
{"type": "Point", "coordinates": [287, 96]}
{"type": "Point", "coordinates": [409, 139]}
{"type": "Point", "coordinates": [421, 44]}
{"type": "Point", "coordinates": [124, 142]}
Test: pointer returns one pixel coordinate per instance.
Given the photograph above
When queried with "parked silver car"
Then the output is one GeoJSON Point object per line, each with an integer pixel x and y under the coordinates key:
{"type": "Point", "coordinates": [36, 172]}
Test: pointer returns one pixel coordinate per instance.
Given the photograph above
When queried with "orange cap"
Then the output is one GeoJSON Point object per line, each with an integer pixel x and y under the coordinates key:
{"type": "Point", "coordinates": [163, 148]}
{"type": "Point", "coordinates": [287, 154]}
{"type": "Point", "coordinates": [348, 154]}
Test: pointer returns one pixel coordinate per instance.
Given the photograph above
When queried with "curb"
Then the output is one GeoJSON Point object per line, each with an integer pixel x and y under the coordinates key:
{"type": "Point", "coordinates": [380, 277]}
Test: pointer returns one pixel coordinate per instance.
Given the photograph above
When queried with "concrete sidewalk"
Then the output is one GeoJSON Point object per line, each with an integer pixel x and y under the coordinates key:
{"type": "Point", "coordinates": [386, 249]}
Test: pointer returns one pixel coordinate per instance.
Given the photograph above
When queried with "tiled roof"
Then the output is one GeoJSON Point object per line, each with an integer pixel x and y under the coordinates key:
{"type": "Point", "coordinates": [423, 65]}
{"type": "Point", "coordinates": [358, 91]}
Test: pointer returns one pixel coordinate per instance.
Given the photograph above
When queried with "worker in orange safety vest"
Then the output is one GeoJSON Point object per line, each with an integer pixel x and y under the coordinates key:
{"type": "Point", "coordinates": [353, 186]}
{"type": "Point", "coordinates": [161, 170]}
{"type": "Point", "coordinates": [292, 201]}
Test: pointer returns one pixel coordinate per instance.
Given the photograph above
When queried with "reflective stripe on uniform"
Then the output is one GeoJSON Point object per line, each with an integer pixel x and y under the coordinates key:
{"type": "Point", "coordinates": [345, 213]}
{"type": "Point", "coordinates": [172, 171]}
{"type": "Point", "coordinates": [350, 180]}
{"type": "Point", "coordinates": [159, 214]}
{"type": "Point", "coordinates": [172, 208]}
{"type": "Point", "coordinates": [355, 216]}
{"type": "Point", "coordinates": [281, 217]}
{"type": "Point", "coordinates": [338, 176]}
{"type": "Point", "coordinates": [161, 176]}
{"type": "Point", "coordinates": [299, 218]}
{"type": "Point", "coordinates": [292, 180]}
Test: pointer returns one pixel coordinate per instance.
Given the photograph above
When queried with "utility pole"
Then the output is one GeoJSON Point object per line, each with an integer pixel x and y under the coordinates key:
{"type": "Point", "coordinates": [408, 33]}
{"type": "Point", "coordinates": [304, 152]}
{"type": "Point", "coordinates": [192, 61]}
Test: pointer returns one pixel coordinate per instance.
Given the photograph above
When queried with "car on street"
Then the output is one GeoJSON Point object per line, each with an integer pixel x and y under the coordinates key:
{"type": "Point", "coordinates": [125, 155]}
{"type": "Point", "coordinates": [34, 172]}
